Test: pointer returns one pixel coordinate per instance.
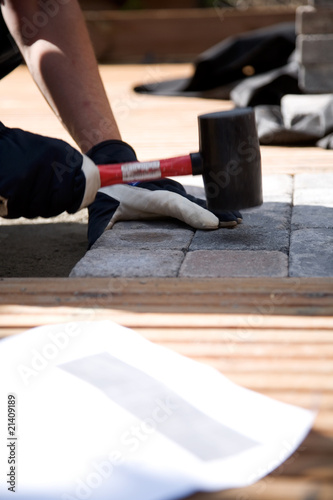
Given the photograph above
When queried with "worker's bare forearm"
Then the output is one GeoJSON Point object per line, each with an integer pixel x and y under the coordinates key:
{"type": "Point", "coordinates": [55, 44]}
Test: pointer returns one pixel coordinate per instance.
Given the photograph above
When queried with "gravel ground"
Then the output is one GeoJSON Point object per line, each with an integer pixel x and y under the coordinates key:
{"type": "Point", "coordinates": [42, 247]}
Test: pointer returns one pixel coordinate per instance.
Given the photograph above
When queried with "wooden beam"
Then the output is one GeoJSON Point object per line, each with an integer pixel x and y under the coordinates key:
{"type": "Point", "coordinates": [173, 34]}
{"type": "Point", "coordinates": [256, 296]}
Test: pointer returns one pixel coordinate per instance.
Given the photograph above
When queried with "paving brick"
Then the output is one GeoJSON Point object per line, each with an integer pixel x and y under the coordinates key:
{"type": "Point", "coordinates": [317, 197]}
{"type": "Point", "coordinates": [270, 215]}
{"type": "Point", "coordinates": [310, 20]}
{"type": "Point", "coordinates": [226, 263]}
{"type": "Point", "coordinates": [310, 216]}
{"type": "Point", "coordinates": [153, 224]}
{"type": "Point", "coordinates": [314, 49]}
{"type": "Point", "coordinates": [311, 253]}
{"type": "Point", "coordinates": [314, 181]}
{"type": "Point", "coordinates": [278, 188]}
{"type": "Point", "coordinates": [316, 78]}
{"type": "Point", "coordinates": [312, 111]}
{"type": "Point", "coordinates": [313, 190]}
{"type": "Point", "coordinates": [145, 237]}
{"type": "Point", "coordinates": [242, 237]}
{"type": "Point", "coordinates": [101, 262]}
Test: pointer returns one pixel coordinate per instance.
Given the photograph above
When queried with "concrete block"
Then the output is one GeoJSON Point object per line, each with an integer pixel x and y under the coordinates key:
{"type": "Point", "coordinates": [153, 224]}
{"type": "Point", "coordinates": [148, 238]}
{"type": "Point", "coordinates": [242, 237]}
{"type": "Point", "coordinates": [314, 190]}
{"type": "Point", "coordinates": [314, 181]}
{"type": "Point", "coordinates": [277, 188]}
{"type": "Point", "coordinates": [101, 262]}
{"type": "Point", "coordinates": [317, 197]}
{"type": "Point", "coordinates": [226, 263]}
{"type": "Point", "coordinates": [270, 215]}
{"type": "Point", "coordinates": [314, 49]}
{"type": "Point", "coordinates": [311, 253]}
{"type": "Point", "coordinates": [311, 21]}
{"type": "Point", "coordinates": [316, 78]}
{"type": "Point", "coordinates": [310, 216]}
{"type": "Point", "coordinates": [310, 113]}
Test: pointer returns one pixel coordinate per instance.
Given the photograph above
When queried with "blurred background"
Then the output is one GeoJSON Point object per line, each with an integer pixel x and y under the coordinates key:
{"type": "Point", "coordinates": [181, 4]}
{"type": "Point", "coordinates": [170, 31]}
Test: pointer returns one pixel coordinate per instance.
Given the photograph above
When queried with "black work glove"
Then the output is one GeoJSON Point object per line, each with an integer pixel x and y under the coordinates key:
{"type": "Point", "coordinates": [42, 176]}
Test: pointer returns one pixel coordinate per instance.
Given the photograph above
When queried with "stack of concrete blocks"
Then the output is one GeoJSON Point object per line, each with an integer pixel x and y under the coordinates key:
{"type": "Point", "coordinates": [314, 46]}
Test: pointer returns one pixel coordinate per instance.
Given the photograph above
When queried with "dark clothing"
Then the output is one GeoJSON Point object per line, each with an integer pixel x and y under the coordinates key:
{"type": "Point", "coordinates": [39, 176]}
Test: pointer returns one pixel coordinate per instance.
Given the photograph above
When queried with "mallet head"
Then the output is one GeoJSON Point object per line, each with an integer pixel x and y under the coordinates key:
{"type": "Point", "coordinates": [229, 148]}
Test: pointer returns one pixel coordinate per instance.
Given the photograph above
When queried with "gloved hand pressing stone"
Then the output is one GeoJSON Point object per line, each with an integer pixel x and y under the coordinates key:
{"type": "Point", "coordinates": [146, 200]}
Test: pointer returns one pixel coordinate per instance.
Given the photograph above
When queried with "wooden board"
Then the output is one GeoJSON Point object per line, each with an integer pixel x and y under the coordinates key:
{"type": "Point", "coordinates": [157, 127]}
{"type": "Point", "coordinates": [273, 336]}
{"type": "Point", "coordinates": [173, 35]}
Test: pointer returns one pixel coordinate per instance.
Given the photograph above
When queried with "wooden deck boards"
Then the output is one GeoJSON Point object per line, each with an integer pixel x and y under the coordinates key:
{"type": "Point", "coordinates": [273, 336]}
{"type": "Point", "coordinates": [157, 127]}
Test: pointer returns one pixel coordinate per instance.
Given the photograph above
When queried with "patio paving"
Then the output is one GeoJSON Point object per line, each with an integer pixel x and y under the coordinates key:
{"type": "Point", "coordinates": [291, 234]}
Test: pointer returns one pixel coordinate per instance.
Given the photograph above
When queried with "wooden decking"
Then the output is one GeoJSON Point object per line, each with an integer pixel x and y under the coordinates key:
{"type": "Point", "coordinates": [157, 127]}
{"type": "Point", "coordinates": [273, 336]}
{"type": "Point", "coordinates": [270, 335]}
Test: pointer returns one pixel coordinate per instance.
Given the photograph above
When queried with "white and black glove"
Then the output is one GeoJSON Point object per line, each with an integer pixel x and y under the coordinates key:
{"type": "Point", "coordinates": [146, 200]}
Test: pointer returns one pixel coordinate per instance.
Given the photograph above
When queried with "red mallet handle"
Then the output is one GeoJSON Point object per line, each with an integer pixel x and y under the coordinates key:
{"type": "Point", "coordinates": [123, 173]}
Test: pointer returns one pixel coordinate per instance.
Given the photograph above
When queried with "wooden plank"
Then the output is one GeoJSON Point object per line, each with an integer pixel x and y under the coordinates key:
{"type": "Point", "coordinates": [28, 316]}
{"type": "Point", "coordinates": [173, 34]}
{"type": "Point", "coordinates": [170, 286]}
{"type": "Point", "coordinates": [284, 357]}
{"type": "Point", "coordinates": [287, 357]}
{"type": "Point", "coordinates": [157, 127]}
{"type": "Point", "coordinates": [275, 488]}
{"type": "Point", "coordinates": [253, 349]}
{"type": "Point", "coordinates": [230, 335]}
{"type": "Point", "coordinates": [256, 296]}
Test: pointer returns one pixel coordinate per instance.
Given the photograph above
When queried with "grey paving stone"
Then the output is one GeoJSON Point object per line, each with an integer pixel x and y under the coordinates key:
{"type": "Point", "coordinates": [314, 49]}
{"type": "Point", "coordinates": [313, 181]}
{"type": "Point", "coordinates": [313, 189]}
{"type": "Point", "coordinates": [270, 215]}
{"type": "Point", "coordinates": [278, 187]}
{"type": "Point", "coordinates": [153, 224]}
{"type": "Point", "coordinates": [311, 216]}
{"type": "Point", "coordinates": [146, 237]}
{"type": "Point", "coordinates": [310, 20]}
{"type": "Point", "coordinates": [316, 78]}
{"type": "Point", "coordinates": [311, 253]}
{"type": "Point", "coordinates": [101, 262]}
{"type": "Point", "coordinates": [319, 197]}
{"type": "Point", "coordinates": [308, 111]}
{"type": "Point", "coordinates": [238, 263]}
{"type": "Point", "coordinates": [242, 237]}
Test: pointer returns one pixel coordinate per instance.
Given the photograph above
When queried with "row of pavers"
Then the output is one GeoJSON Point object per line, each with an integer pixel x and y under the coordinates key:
{"type": "Point", "coordinates": [291, 234]}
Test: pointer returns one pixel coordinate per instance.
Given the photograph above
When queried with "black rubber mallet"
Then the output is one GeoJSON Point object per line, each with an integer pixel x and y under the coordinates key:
{"type": "Point", "coordinates": [228, 159]}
